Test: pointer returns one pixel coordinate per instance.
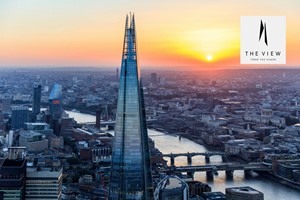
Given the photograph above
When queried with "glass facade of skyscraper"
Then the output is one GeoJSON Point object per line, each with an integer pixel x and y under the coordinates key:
{"type": "Point", "coordinates": [55, 101]}
{"type": "Point", "coordinates": [37, 94]}
{"type": "Point", "coordinates": [130, 174]}
{"type": "Point", "coordinates": [20, 115]}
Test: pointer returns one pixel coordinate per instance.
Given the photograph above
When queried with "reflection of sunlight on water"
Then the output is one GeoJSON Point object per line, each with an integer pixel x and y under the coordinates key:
{"type": "Point", "coordinates": [171, 144]}
{"type": "Point", "coordinates": [221, 178]}
{"type": "Point", "coordinates": [81, 117]}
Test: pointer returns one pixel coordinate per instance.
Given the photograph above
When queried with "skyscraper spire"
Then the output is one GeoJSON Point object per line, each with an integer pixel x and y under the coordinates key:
{"type": "Point", "coordinates": [130, 172]}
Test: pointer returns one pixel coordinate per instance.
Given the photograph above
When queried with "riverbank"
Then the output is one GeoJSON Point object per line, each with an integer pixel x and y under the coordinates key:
{"type": "Point", "coordinates": [167, 143]}
{"type": "Point", "coordinates": [280, 180]}
{"type": "Point", "coordinates": [267, 175]}
{"type": "Point", "coordinates": [189, 137]}
{"type": "Point", "coordinates": [200, 142]}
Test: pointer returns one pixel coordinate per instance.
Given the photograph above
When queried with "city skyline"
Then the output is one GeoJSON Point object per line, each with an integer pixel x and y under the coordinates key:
{"type": "Point", "coordinates": [197, 35]}
{"type": "Point", "coordinates": [253, 114]}
{"type": "Point", "coordinates": [199, 125]}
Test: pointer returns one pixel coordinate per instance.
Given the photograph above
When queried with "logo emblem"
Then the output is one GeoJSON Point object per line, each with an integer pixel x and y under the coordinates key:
{"type": "Point", "coordinates": [263, 29]}
{"type": "Point", "coordinates": [263, 40]}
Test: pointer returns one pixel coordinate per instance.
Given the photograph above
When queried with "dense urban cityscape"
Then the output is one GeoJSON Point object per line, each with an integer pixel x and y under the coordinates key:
{"type": "Point", "coordinates": [252, 116]}
{"type": "Point", "coordinates": [211, 130]}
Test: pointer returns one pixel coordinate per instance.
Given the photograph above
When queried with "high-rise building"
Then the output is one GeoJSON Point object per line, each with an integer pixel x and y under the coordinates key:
{"type": "Point", "coordinates": [37, 95]}
{"type": "Point", "coordinates": [117, 74]}
{"type": "Point", "coordinates": [55, 102]}
{"type": "Point", "coordinates": [12, 179]}
{"type": "Point", "coordinates": [43, 183]}
{"type": "Point", "coordinates": [10, 138]}
{"type": "Point", "coordinates": [66, 126]}
{"type": "Point", "coordinates": [154, 79]}
{"type": "Point", "coordinates": [245, 193]}
{"type": "Point", "coordinates": [20, 115]}
{"type": "Point", "coordinates": [130, 171]}
{"type": "Point", "coordinates": [171, 187]}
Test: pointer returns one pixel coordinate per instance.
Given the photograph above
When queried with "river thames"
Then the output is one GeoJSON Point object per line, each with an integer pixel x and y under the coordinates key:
{"type": "Point", "coordinates": [171, 144]}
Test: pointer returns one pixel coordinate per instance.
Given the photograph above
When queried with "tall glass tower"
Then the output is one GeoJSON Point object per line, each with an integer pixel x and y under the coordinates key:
{"type": "Point", "coordinates": [130, 172]}
{"type": "Point", "coordinates": [36, 105]}
{"type": "Point", "coordinates": [55, 101]}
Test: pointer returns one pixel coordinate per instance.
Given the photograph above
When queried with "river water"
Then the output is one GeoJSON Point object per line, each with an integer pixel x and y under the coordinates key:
{"type": "Point", "coordinates": [171, 144]}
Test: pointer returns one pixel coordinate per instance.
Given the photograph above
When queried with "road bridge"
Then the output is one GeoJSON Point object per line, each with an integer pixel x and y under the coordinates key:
{"type": "Point", "coordinates": [190, 155]}
{"type": "Point", "coordinates": [229, 168]}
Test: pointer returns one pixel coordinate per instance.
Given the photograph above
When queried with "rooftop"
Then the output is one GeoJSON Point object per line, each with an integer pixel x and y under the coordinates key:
{"type": "Point", "coordinates": [213, 195]}
{"type": "Point", "coordinates": [172, 182]}
{"type": "Point", "coordinates": [29, 134]}
{"type": "Point", "coordinates": [245, 190]}
{"type": "Point", "coordinates": [11, 163]}
{"type": "Point", "coordinates": [36, 123]}
{"type": "Point", "coordinates": [56, 92]}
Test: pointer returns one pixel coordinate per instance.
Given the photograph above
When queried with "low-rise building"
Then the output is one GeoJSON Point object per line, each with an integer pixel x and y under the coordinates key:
{"type": "Point", "coordinates": [196, 188]}
{"type": "Point", "coordinates": [243, 193]}
{"type": "Point", "coordinates": [171, 187]}
{"type": "Point", "coordinates": [33, 141]}
{"type": "Point", "coordinates": [212, 196]}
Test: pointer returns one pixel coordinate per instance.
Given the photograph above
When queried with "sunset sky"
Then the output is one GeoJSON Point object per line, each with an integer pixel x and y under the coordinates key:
{"type": "Point", "coordinates": [196, 34]}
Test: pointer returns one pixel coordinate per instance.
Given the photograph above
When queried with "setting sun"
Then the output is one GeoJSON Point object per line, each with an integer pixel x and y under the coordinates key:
{"type": "Point", "coordinates": [209, 57]}
{"type": "Point", "coordinates": [75, 36]}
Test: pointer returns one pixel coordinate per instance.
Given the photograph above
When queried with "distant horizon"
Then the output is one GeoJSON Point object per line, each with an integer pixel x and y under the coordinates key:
{"type": "Point", "coordinates": [113, 68]}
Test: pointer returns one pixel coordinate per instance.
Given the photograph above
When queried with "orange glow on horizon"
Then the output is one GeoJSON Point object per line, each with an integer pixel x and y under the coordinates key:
{"type": "Point", "coordinates": [90, 33]}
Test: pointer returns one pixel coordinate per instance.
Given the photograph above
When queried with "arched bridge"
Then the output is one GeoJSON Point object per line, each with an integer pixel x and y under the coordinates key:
{"type": "Point", "coordinates": [190, 155]}
{"type": "Point", "coordinates": [227, 167]}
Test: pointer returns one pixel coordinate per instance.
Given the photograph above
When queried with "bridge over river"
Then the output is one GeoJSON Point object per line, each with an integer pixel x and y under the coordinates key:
{"type": "Point", "coordinates": [190, 155]}
{"type": "Point", "coordinates": [229, 168]}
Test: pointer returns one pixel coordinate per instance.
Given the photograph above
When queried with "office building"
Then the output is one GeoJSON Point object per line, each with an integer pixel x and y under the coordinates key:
{"type": "Point", "coordinates": [41, 127]}
{"type": "Point", "coordinates": [98, 119]}
{"type": "Point", "coordinates": [66, 126]}
{"type": "Point", "coordinates": [55, 104]}
{"type": "Point", "coordinates": [171, 187]}
{"type": "Point", "coordinates": [16, 153]}
{"type": "Point", "coordinates": [33, 141]}
{"type": "Point", "coordinates": [37, 94]}
{"type": "Point", "coordinates": [12, 179]}
{"type": "Point", "coordinates": [10, 138]}
{"type": "Point", "coordinates": [130, 171]}
{"type": "Point", "coordinates": [245, 193]}
{"type": "Point", "coordinates": [117, 74]}
{"type": "Point", "coordinates": [43, 183]}
{"type": "Point", "coordinates": [101, 153]}
{"type": "Point", "coordinates": [154, 80]}
{"type": "Point", "coordinates": [20, 115]}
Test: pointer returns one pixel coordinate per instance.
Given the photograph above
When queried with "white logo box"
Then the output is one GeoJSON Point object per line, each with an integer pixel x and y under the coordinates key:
{"type": "Point", "coordinates": [253, 49]}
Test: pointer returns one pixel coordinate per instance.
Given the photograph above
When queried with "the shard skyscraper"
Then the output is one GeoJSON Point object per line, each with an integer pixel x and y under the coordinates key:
{"type": "Point", "coordinates": [131, 170]}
